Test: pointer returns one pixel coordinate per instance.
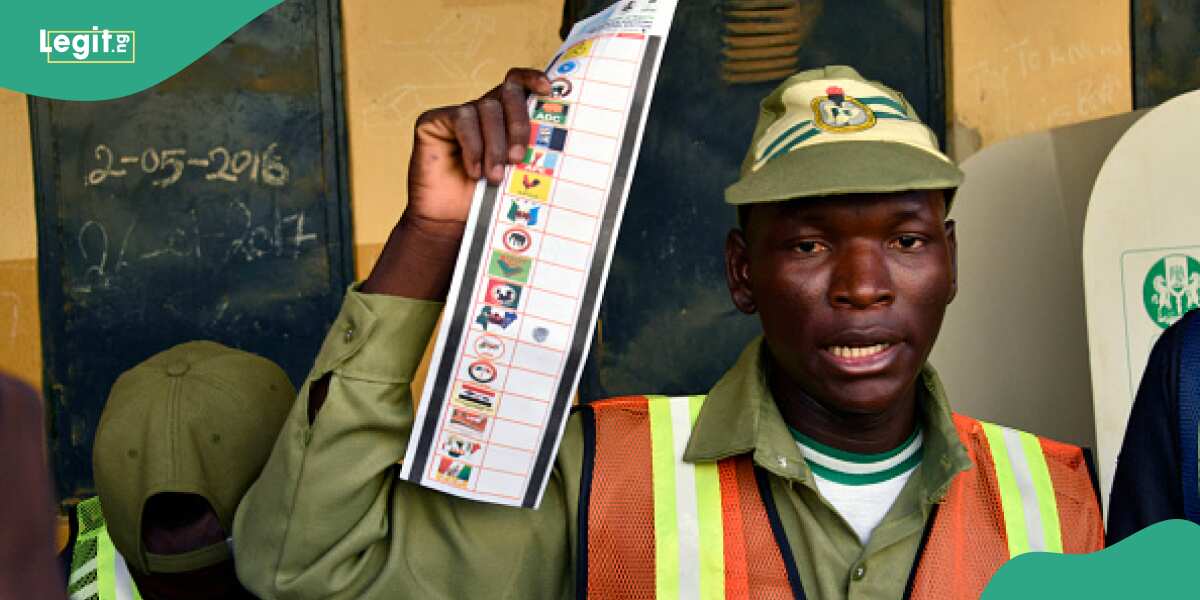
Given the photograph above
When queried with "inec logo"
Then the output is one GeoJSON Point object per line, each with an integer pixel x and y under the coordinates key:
{"type": "Point", "coordinates": [1171, 288]}
{"type": "Point", "coordinates": [98, 46]}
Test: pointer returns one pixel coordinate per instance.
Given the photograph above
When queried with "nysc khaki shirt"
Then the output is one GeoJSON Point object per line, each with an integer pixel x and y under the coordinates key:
{"type": "Point", "coordinates": [329, 519]}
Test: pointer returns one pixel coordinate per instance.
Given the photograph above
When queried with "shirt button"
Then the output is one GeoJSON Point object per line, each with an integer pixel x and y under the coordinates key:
{"type": "Point", "coordinates": [782, 462]}
{"type": "Point", "coordinates": [349, 333]}
{"type": "Point", "coordinates": [859, 572]}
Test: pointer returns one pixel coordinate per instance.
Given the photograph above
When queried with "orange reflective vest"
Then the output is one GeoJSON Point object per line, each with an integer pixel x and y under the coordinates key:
{"type": "Point", "coordinates": [654, 526]}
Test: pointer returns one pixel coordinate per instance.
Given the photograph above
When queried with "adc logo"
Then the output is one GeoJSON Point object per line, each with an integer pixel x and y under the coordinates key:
{"type": "Point", "coordinates": [96, 46]}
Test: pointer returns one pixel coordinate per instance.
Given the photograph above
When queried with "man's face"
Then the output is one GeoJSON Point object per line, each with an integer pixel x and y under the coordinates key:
{"type": "Point", "coordinates": [851, 291]}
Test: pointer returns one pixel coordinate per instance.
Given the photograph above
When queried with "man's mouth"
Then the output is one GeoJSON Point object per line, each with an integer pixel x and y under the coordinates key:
{"type": "Point", "coordinates": [857, 352]}
{"type": "Point", "coordinates": [866, 357]}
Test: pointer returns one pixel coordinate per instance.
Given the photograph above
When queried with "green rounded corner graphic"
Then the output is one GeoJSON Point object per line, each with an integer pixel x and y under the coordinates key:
{"type": "Point", "coordinates": [1156, 562]}
{"type": "Point", "coordinates": [81, 50]}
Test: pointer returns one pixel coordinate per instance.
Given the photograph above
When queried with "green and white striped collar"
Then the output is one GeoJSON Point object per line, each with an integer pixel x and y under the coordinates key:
{"type": "Point", "coordinates": [849, 468]}
{"type": "Point", "coordinates": [740, 416]}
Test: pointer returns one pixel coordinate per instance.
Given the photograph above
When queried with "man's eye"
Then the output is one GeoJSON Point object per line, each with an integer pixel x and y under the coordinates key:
{"type": "Point", "coordinates": [810, 247]}
{"type": "Point", "coordinates": [908, 242]}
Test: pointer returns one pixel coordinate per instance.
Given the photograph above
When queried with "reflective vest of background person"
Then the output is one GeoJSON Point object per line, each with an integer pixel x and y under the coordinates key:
{"type": "Point", "coordinates": [182, 437]}
{"type": "Point", "coordinates": [714, 524]}
{"type": "Point", "coordinates": [97, 569]}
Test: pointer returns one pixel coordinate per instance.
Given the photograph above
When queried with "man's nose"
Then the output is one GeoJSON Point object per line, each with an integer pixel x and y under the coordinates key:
{"type": "Point", "coordinates": [861, 277]}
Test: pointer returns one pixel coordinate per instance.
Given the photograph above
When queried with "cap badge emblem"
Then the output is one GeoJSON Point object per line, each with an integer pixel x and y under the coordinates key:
{"type": "Point", "coordinates": [836, 112]}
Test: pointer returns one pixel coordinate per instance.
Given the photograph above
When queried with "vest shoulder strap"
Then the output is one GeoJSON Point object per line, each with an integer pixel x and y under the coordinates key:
{"type": "Point", "coordinates": [1019, 465]}
{"type": "Point", "coordinates": [652, 525]}
{"type": "Point", "coordinates": [98, 572]}
{"type": "Point", "coordinates": [1025, 493]}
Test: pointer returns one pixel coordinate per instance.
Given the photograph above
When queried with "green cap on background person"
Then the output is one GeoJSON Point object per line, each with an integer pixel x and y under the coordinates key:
{"type": "Point", "coordinates": [828, 132]}
{"type": "Point", "coordinates": [199, 418]}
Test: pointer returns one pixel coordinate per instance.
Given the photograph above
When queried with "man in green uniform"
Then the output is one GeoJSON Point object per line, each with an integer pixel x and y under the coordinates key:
{"type": "Point", "coordinates": [845, 255]}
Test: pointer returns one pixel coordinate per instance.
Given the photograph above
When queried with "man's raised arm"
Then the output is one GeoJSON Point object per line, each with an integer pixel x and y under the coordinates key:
{"type": "Point", "coordinates": [327, 517]}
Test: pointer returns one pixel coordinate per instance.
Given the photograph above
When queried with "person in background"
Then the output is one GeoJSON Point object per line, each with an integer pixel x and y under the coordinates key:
{"type": "Point", "coordinates": [27, 567]}
{"type": "Point", "coordinates": [1156, 476]}
{"type": "Point", "coordinates": [181, 438]}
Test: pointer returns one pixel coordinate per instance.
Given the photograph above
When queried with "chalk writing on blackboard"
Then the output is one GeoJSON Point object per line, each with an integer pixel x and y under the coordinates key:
{"type": "Point", "coordinates": [265, 166]}
{"type": "Point", "coordinates": [249, 238]}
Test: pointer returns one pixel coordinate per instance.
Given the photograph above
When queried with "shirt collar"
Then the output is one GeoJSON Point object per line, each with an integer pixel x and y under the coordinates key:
{"type": "Point", "coordinates": [740, 416]}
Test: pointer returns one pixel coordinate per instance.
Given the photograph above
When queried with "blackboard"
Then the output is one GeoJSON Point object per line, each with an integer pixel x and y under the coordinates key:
{"type": "Point", "coordinates": [1165, 47]}
{"type": "Point", "coordinates": [213, 205]}
{"type": "Point", "coordinates": [667, 325]}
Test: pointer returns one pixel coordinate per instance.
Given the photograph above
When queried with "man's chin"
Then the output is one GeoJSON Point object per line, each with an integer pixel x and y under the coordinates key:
{"type": "Point", "coordinates": [865, 397]}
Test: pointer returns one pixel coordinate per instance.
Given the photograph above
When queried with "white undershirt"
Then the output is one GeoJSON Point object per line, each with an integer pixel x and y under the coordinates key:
{"type": "Point", "coordinates": [862, 488]}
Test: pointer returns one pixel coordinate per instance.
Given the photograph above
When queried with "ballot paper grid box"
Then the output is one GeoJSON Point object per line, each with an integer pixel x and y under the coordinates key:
{"type": "Point", "coordinates": [541, 236]}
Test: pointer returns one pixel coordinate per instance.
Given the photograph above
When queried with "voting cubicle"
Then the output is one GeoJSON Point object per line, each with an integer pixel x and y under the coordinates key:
{"type": "Point", "coordinates": [1077, 247]}
{"type": "Point", "coordinates": [1141, 258]}
{"type": "Point", "coordinates": [1013, 348]}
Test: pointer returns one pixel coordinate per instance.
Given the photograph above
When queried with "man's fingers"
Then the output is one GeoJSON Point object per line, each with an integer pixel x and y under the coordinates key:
{"type": "Point", "coordinates": [530, 79]}
{"type": "Point", "coordinates": [512, 95]}
{"type": "Point", "coordinates": [516, 117]}
{"type": "Point", "coordinates": [495, 139]}
{"type": "Point", "coordinates": [470, 139]}
{"type": "Point", "coordinates": [494, 130]}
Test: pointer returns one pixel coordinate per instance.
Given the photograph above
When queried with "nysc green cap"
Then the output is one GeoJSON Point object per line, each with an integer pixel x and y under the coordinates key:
{"type": "Point", "coordinates": [200, 418]}
{"type": "Point", "coordinates": [829, 131]}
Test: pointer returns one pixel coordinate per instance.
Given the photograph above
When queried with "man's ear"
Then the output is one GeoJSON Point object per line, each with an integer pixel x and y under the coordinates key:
{"type": "Point", "coordinates": [952, 245]}
{"type": "Point", "coordinates": [737, 271]}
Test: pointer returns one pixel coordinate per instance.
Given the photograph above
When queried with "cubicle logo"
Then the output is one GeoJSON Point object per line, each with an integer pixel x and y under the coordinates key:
{"type": "Point", "coordinates": [94, 46]}
{"type": "Point", "coordinates": [1171, 288]}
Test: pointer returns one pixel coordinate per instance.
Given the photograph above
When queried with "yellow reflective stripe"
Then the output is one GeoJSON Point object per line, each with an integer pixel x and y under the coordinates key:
{"type": "Point", "coordinates": [712, 523]}
{"type": "Point", "coordinates": [1026, 491]}
{"type": "Point", "coordinates": [1044, 487]}
{"type": "Point", "coordinates": [105, 561]}
{"type": "Point", "coordinates": [666, 533]}
{"type": "Point", "coordinates": [1010, 498]}
{"type": "Point", "coordinates": [1034, 534]}
{"type": "Point", "coordinates": [689, 530]}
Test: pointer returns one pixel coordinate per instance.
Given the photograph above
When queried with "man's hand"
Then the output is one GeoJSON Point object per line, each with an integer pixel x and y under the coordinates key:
{"type": "Point", "coordinates": [454, 147]}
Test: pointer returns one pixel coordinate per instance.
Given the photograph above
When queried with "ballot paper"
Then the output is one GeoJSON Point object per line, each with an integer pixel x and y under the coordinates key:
{"type": "Point", "coordinates": [531, 271]}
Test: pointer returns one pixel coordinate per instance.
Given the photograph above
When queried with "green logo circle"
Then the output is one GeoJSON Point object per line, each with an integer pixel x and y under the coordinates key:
{"type": "Point", "coordinates": [1171, 288]}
